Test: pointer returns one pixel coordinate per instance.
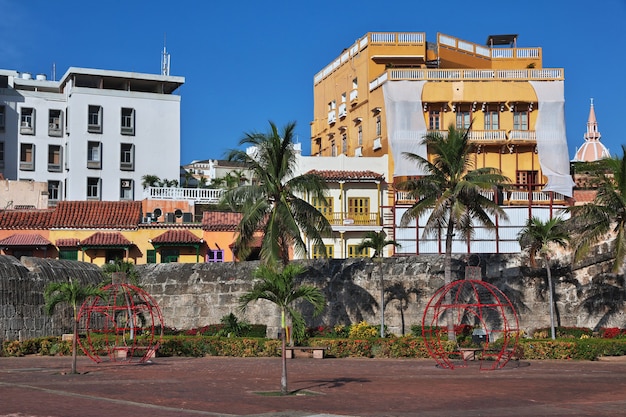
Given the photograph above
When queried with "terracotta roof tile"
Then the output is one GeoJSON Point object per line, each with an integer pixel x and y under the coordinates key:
{"type": "Point", "coordinates": [329, 175]}
{"type": "Point", "coordinates": [220, 221]}
{"type": "Point", "coordinates": [25, 240]}
{"type": "Point", "coordinates": [177, 236]}
{"type": "Point", "coordinates": [105, 239]}
{"type": "Point", "coordinates": [25, 219]}
{"type": "Point", "coordinates": [97, 215]}
{"type": "Point", "coordinates": [67, 242]}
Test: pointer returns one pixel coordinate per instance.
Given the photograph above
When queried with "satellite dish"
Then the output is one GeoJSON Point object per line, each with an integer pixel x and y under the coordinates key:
{"type": "Point", "coordinates": [178, 213]}
{"type": "Point", "coordinates": [157, 213]}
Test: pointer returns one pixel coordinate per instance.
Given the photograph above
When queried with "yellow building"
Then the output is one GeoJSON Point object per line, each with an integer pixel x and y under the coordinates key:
{"type": "Point", "coordinates": [384, 93]}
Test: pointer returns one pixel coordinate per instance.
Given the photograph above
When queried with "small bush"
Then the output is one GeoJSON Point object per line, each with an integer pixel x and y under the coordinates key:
{"type": "Point", "coordinates": [363, 330]}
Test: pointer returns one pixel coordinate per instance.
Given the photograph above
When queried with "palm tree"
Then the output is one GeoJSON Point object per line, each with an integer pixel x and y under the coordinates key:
{"type": "Point", "coordinates": [72, 293]}
{"type": "Point", "coordinates": [187, 176]}
{"type": "Point", "coordinates": [273, 203]}
{"type": "Point", "coordinates": [605, 217]}
{"type": "Point", "coordinates": [452, 194]}
{"type": "Point", "coordinates": [538, 236]}
{"type": "Point", "coordinates": [150, 181]}
{"type": "Point", "coordinates": [280, 288]}
{"type": "Point", "coordinates": [378, 242]}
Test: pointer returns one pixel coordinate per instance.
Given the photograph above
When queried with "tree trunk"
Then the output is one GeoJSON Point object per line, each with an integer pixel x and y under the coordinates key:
{"type": "Point", "coordinates": [74, 345]}
{"type": "Point", "coordinates": [447, 268]}
{"type": "Point", "coordinates": [382, 299]}
{"type": "Point", "coordinates": [551, 298]}
{"type": "Point", "coordinates": [283, 378]}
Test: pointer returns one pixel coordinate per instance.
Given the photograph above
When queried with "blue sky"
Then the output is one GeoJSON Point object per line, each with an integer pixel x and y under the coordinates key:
{"type": "Point", "coordinates": [248, 62]}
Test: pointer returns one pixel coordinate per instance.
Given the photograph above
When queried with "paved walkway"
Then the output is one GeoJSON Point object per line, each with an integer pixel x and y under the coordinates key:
{"type": "Point", "coordinates": [213, 386]}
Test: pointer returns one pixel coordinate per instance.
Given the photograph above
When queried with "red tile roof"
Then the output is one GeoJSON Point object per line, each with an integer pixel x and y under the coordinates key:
{"type": "Point", "coordinates": [25, 240]}
{"type": "Point", "coordinates": [25, 219]}
{"type": "Point", "coordinates": [67, 243]}
{"type": "Point", "coordinates": [331, 176]}
{"type": "Point", "coordinates": [97, 215]}
{"type": "Point", "coordinates": [220, 221]}
{"type": "Point", "coordinates": [177, 236]}
{"type": "Point", "coordinates": [106, 239]}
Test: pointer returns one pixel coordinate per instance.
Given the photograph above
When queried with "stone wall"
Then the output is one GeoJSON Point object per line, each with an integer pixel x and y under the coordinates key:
{"type": "Point", "coordinates": [194, 295]}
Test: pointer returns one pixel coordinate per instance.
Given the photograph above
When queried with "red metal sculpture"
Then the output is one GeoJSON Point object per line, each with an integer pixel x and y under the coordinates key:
{"type": "Point", "coordinates": [126, 325]}
{"type": "Point", "coordinates": [483, 320]}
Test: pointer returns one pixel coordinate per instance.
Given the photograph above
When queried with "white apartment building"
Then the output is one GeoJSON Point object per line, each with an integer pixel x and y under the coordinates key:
{"type": "Point", "coordinates": [92, 135]}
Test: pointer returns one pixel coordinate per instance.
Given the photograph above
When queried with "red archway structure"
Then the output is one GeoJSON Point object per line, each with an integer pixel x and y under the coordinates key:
{"type": "Point", "coordinates": [125, 324]}
{"type": "Point", "coordinates": [484, 322]}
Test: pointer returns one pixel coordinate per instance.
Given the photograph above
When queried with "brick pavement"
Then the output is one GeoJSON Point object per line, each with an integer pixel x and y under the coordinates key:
{"type": "Point", "coordinates": [39, 387]}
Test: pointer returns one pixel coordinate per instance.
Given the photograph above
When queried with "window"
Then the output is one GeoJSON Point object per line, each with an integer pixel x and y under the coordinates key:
{"type": "Point", "coordinates": [68, 254]}
{"type": "Point", "coordinates": [359, 209]}
{"type": "Point", "coordinates": [54, 191]}
{"type": "Point", "coordinates": [317, 254]}
{"type": "Point", "coordinates": [333, 148]}
{"type": "Point", "coordinates": [94, 155]}
{"type": "Point", "coordinates": [2, 117]}
{"type": "Point", "coordinates": [344, 143]}
{"type": "Point", "coordinates": [27, 121]}
{"type": "Point", "coordinates": [463, 119]}
{"type": "Point", "coordinates": [359, 136]}
{"type": "Point", "coordinates": [93, 188]}
{"type": "Point", "coordinates": [332, 105]}
{"type": "Point", "coordinates": [27, 157]}
{"type": "Point", "coordinates": [1, 154]}
{"type": "Point", "coordinates": [434, 120]}
{"type": "Point", "coordinates": [325, 209]}
{"type": "Point", "coordinates": [491, 120]}
{"type": "Point", "coordinates": [55, 123]}
{"type": "Point", "coordinates": [520, 120]}
{"type": "Point", "coordinates": [128, 121]}
{"type": "Point", "coordinates": [54, 158]}
{"type": "Point", "coordinates": [378, 126]}
{"type": "Point", "coordinates": [354, 252]}
{"type": "Point", "coordinates": [343, 97]}
{"type": "Point", "coordinates": [127, 157]}
{"type": "Point", "coordinates": [216, 255]}
{"type": "Point", "coordinates": [113, 255]}
{"type": "Point", "coordinates": [526, 178]}
{"type": "Point", "coordinates": [169, 255]}
{"type": "Point", "coordinates": [126, 190]}
{"type": "Point", "coordinates": [151, 256]}
{"type": "Point", "coordinates": [94, 119]}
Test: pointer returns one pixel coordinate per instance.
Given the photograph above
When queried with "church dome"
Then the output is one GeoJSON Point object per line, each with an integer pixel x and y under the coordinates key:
{"type": "Point", "coordinates": [592, 149]}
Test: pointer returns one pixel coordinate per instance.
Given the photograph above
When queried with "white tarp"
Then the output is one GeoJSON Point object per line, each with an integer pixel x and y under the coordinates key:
{"type": "Point", "coordinates": [551, 138]}
{"type": "Point", "coordinates": [406, 127]}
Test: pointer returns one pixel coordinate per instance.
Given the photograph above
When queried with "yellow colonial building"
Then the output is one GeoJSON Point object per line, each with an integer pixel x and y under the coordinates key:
{"type": "Point", "coordinates": [385, 92]}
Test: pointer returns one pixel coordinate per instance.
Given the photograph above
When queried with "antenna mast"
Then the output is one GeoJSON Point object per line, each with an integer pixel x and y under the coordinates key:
{"type": "Point", "coordinates": [165, 61]}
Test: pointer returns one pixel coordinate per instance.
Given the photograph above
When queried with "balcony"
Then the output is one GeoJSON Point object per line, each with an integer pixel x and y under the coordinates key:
{"type": "Point", "coordinates": [496, 135]}
{"type": "Point", "coordinates": [510, 198]}
{"type": "Point", "coordinates": [332, 117]}
{"type": "Point", "coordinates": [523, 135]}
{"type": "Point", "coordinates": [487, 135]}
{"type": "Point", "coordinates": [198, 195]}
{"type": "Point", "coordinates": [424, 74]}
{"type": "Point", "coordinates": [353, 219]}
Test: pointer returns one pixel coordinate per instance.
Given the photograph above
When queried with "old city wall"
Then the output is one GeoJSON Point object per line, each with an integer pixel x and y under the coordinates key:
{"type": "Point", "coordinates": [194, 295]}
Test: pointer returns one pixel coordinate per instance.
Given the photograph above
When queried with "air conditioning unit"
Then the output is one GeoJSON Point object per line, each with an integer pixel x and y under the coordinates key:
{"type": "Point", "coordinates": [125, 184]}
{"type": "Point", "coordinates": [187, 217]}
{"type": "Point", "coordinates": [170, 218]}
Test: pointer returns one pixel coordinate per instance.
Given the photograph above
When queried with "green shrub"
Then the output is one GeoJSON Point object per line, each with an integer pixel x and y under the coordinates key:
{"type": "Point", "coordinates": [363, 330]}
